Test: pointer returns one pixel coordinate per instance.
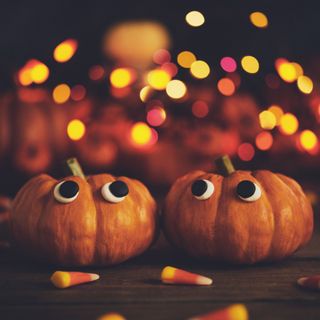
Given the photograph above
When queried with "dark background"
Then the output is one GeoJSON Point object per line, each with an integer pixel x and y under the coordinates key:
{"type": "Point", "coordinates": [31, 29]}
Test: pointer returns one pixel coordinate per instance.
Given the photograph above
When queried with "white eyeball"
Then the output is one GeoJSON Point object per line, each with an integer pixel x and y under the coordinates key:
{"type": "Point", "coordinates": [115, 191]}
{"type": "Point", "coordinates": [202, 189]}
{"type": "Point", "coordinates": [248, 191]}
{"type": "Point", "coordinates": [66, 191]}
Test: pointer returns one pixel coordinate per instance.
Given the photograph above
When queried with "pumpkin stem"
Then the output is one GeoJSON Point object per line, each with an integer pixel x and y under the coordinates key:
{"type": "Point", "coordinates": [225, 166]}
{"type": "Point", "coordinates": [73, 166]}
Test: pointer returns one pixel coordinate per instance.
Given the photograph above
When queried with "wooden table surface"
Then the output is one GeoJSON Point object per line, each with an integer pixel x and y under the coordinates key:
{"type": "Point", "coordinates": [133, 289]}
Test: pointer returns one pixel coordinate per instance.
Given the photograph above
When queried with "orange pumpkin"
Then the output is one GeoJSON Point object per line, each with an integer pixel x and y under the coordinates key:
{"type": "Point", "coordinates": [244, 217]}
{"type": "Point", "coordinates": [101, 220]}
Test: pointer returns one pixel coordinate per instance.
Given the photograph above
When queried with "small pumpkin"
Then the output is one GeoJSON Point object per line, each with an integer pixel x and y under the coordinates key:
{"type": "Point", "coordinates": [98, 220]}
{"type": "Point", "coordinates": [243, 217]}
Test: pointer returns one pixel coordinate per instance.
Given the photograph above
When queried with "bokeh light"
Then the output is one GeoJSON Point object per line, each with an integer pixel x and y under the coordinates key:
{"type": "Point", "coordinates": [185, 59]}
{"type": "Point", "coordinates": [277, 111]}
{"type": "Point", "coordinates": [228, 64]}
{"type": "Point", "coordinates": [96, 72]}
{"type": "Point", "coordinates": [145, 93]}
{"type": "Point", "coordinates": [308, 140]}
{"type": "Point", "coordinates": [267, 120]}
{"type": "Point", "coordinates": [200, 69]}
{"type": "Point", "coordinates": [61, 93]}
{"type": "Point", "coordinates": [287, 72]}
{"type": "Point", "coordinates": [120, 78]}
{"type": "Point", "coordinates": [39, 73]}
{"type": "Point", "coordinates": [64, 51]}
{"type": "Point", "coordinates": [161, 56]}
{"type": "Point", "coordinates": [250, 64]}
{"type": "Point", "coordinates": [200, 109]}
{"type": "Point", "coordinates": [264, 140]}
{"type": "Point", "coordinates": [259, 19]}
{"type": "Point", "coordinates": [170, 68]}
{"type": "Point", "coordinates": [226, 87]}
{"type": "Point", "coordinates": [76, 129]}
{"type": "Point", "coordinates": [246, 151]}
{"type": "Point", "coordinates": [78, 92]}
{"type": "Point", "coordinates": [288, 124]}
{"type": "Point", "coordinates": [158, 79]}
{"type": "Point", "coordinates": [195, 18]}
{"type": "Point", "coordinates": [156, 116]}
{"type": "Point", "coordinates": [305, 84]}
{"type": "Point", "coordinates": [141, 134]}
{"type": "Point", "coordinates": [176, 89]}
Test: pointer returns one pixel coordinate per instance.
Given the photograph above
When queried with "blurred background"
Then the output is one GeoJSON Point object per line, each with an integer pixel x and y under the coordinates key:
{"type": "Point", "coordinates": [156, 89]}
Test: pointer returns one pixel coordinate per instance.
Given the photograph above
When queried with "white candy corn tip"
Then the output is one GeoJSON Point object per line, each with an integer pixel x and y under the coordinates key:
{"type": "Point", "coordinates": [204, 281]}
{"type": "Point", "coordinates": [301, 281]}
{"type": "Point", "coordinates": [94, 276]}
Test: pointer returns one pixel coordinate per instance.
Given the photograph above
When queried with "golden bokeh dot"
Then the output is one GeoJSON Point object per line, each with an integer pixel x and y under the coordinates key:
{"type": "Point", "coordinates": [200, 69]}
{"type": "Point", "coordinates": [195, 18]}
{"type": "Point", "coordinates": [176, 89]}
{"type": "Point", "coordinates": [250, 64]}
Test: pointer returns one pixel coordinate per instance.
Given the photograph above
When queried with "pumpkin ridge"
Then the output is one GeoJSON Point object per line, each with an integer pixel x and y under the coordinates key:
{"type": "Point", "coordinates": [296, 186]}
{"type": "Point", "coordinates": [273, 214]}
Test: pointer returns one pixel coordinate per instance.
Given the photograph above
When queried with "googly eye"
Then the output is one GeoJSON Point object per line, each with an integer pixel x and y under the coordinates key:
{"type": "Point", "coordinates": [202, 189]}
{"type": "Point", "coordinates": [115, 191]}
{"type": "Point", "coordinates": [248, 191]}
{"type": "Point", "coordinates": [66, 191]}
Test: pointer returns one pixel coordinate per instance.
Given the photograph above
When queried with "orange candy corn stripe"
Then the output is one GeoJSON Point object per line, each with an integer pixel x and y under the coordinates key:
{"type": "Point", "coordinates": [312, 282]}
{"type": "Point", "coordinates": [233, 312]}
{"type": "Point", "coordinates": [65, 279]}
{"type": "Point", "coordinates": [112, 316]}
{"type": "Point", "coordinates": [173, 275]}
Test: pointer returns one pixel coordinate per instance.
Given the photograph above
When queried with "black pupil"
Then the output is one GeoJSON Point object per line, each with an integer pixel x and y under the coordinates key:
{"type": "Point", "coordinates": [246, 189]}
{"type": "Point", "coordinates": [68, 189]}
{"type": "Point", "coordinates": [119, 189]}
{"type": "Point", "coordinates": [199, 187]}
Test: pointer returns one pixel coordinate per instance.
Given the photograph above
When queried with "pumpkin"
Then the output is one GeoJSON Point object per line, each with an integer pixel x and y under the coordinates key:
{"type": "Point", "coordinates": [98, 220]}
{"type": "Point", "coordinates": [32, 133]}
{"type": "Point", "coordinates": [242, 217]}
{"type": "Point", "coordinates": [133, 43]}
{"type": "Point", "coordinates": [5, 208]}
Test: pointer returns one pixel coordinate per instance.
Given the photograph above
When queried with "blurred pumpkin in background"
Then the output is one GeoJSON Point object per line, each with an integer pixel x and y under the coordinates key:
{"type": "Point", "coordinates": [33, 131]}
{"type": "Point", "coordinates": [242, 217]}
{"type": "Point", "coordinates": [98, 220]}
{"type": "Point", "coordinates": [133, 43]}
{"type": "Point", "coordinates": [5, 209]}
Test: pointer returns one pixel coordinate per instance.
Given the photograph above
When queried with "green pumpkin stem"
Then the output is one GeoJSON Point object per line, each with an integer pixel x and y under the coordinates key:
{"type": "Point", "coordinates": [224, 165]}
{"type": "Point", "coordinates": [73, 167]}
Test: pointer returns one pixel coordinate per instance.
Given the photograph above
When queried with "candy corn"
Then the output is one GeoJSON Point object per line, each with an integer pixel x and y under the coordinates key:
{"type": "Point", "coordinates": [233, 312]}
{"type": "Point", "coordinates": [65, 279]}
{"type": "Point", "coordinates": [173, 275]}
{"type": "Point", "coordinates": [112, 316]}
{"type": "Point", "coordinates": [312, 282]}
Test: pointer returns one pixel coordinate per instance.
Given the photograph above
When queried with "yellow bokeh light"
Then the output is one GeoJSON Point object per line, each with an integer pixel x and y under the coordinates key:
{"type": "Point", "coordinates": [141, 133]}
{"type": "Point", "coordinates": [250, 64]}
{"type": "Point", "coordinates": [24, 77]}
{"type": "Point", "coordinates": [287, 72]}
{"type": "Point", "coordinates": [76, 129]}
{"type": "Point", "coordinates": [176, 89]}
{"type": "Point", "coordinates": [305, 84]}
{"type": "Point", "coordinates": [298, 68]}
{"type": "Point", "coordinates": [64, 51]}
{"type": "Point", "coordinates": [39, 73]}
{"type": "Point", "coordinates": [158, 79]}
{"type": "Point", "coordinates": [200, 69]}
{"type": "Point", "coordinates": [308, 139]}
{"type": "Point", "coordinates": [61, 93]}
{"type": "Point", "coordinates": [267, 120]}
{"type": "Point", "coordinates": [145, 93]}
{"type": "Point", "coordinates": [277, 111]}
{"type": "Point", "coordinates": [186, 58]}
{"type": "Point", "coordinates": [259, 19]}
{"type": "Point", "coordinates": [289, 124]}
{"type": "Point", "coordinates": [120, 78]}
{"type": "Point", "coordinates": [195, 18]}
